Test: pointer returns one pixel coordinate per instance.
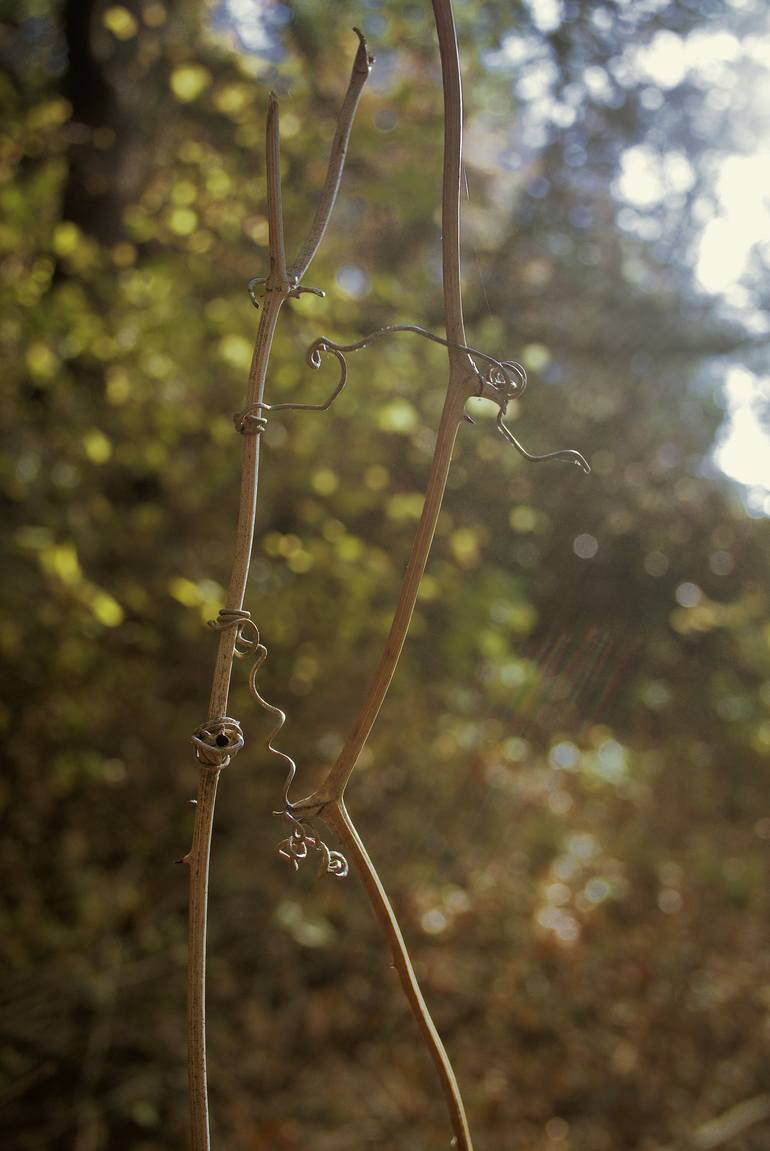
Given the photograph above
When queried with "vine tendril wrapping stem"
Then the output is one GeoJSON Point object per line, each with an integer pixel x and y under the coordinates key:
{"type": "Point", "coordinates": [294, 848]}
{"type": "Point", "coordinates": [507, 376]}
{"type": "Point", "coordinates": [281, 284]}
{"type": "Point", "coordinates": [503, 381]}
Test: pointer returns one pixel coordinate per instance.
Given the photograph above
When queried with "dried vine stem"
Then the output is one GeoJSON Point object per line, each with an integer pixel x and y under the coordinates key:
{"type": "Point", "coordinates": [328, 800]}
{"type": "Point", "coordinates": [337, 819]}
{"type": "Point", "coordinates": [220, 737]}
{"type": "Point", "coordinates": [500, 383]}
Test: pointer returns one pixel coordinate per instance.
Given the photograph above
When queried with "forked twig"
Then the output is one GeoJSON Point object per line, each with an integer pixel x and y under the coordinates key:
{"type": "Point", "coordinates": [502, 381]}
{"type": "Point", "coordinates": [221, 736]}
{"type": "Point", "coordinates": [461, 386]}
{"type": "Point", "coordinates": [217, 740]}
{"type": "Point", "coordinates": [361, 68]}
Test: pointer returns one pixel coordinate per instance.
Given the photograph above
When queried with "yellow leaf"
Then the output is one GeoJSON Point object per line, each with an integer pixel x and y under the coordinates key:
{"type": "Point", "coordinates": [398, 416]}
{"type": "Point", "coordinates": [233, 99]}
{"type": "Point", "coordinates": [97, 447]}
{"type": "Point", "coordinates": [188, 81]}
{"type": "Point", "coordinates": [185, 591]}
{"type": "Point", "coordinates": [118, 385]}
{"type": "Point", "coordinates": [62, 561]}
{"type": "Point", "coordinates": [236, 351]}
{"type": "Point", "coordinates": [41, 361]}
{"type": "Point", "coordinates": [523, 518]}
{"type": "Point", "coordinates": [66, 238]}
{"type": "Point", "coordinates": [536, 357]}
{"type": "Point", "coordinates": [106, 609]}
{"type": "Point", "coordinates": [183, 221]}
{"type": "Point", "coordinates": [120, 22]}
{"type": "Point", "coordinates": [465, 547]}
{"type": "Point", "coordinates": [324, 481]}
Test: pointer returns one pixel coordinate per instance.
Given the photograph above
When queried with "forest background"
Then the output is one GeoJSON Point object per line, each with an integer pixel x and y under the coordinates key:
{"type": "Point", "coordinates": [567, 793]}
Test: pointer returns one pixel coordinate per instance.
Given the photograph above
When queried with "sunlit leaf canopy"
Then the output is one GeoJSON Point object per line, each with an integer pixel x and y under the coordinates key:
{"type": "Point", "coordinates": [567, 792]}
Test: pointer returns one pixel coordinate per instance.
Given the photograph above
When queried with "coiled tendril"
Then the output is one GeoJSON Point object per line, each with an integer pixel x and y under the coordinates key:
{"type": "Point", "coordinates": [301, 838]}
{"type": "Point", "coordinates": [500, 381]}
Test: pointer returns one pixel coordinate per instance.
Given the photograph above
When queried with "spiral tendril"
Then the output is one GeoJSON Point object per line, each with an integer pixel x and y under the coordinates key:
{"type": "Point", "coordinates": [501, 381]}
{"type": "Point", "coordinates": [506, 376]}
{"type": "Point", "coordinates": [251, 421]}
{"type": "Point", "coordinates": [217, 740]}
{"type": "Point", "coordinates": [302, 838]}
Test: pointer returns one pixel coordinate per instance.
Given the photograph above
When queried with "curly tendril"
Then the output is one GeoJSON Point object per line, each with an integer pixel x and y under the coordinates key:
{"type": "Point", "coordinates": [506, 376]}
{"type": "Point", "coordinates": [302, 838]}
{"type": "Point", "coordinates": [500, 381]}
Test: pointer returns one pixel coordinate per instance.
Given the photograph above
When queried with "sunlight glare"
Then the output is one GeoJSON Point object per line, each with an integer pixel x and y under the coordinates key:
{"type": "Point", "coordinates": [547, 15]}
{"type": "Point", "coordinates": [254, 23]}
{"type": "Point", "coordinates": [744, 220]}
{"type": "Point", "coordinates": [743, 449]}
{"type": "Point", "coordinates": [665, 59]}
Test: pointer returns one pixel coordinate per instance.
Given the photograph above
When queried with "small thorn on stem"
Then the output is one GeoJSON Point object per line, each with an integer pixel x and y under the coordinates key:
{"type": "Point", "coordinates": [193, 802]}
{"type": "Point", "coordinates": [183, 859]}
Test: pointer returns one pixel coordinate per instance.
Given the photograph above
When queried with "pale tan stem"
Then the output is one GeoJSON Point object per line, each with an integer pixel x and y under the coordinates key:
{"type": "Point", "coordinates": [278, 288]}
{"type": "Point", "coordinates": [244, 536]}
{"type": "Point", "coordinates": [361, 68]}
{"type": "Point", "coordinates": [276, 244]}
{"type": "Point", "coordinates": [198, 858]}
{"type": "Point", "coordinates": [461, 385]}
{"type": "Point", "coordinates": [336, 817]}
{"type": "Point", "coordinates": [452, 168]}
{"type": "Point", "coordinates": [451, 416]}
{"type": "Point", "coordinates": [727, 1126]}
{"type": "Point", "coordinates": [198, 861]}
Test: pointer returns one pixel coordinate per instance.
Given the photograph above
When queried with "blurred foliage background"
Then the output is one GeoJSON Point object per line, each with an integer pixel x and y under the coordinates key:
{"type": "Point", "coordinates": [567, 792]}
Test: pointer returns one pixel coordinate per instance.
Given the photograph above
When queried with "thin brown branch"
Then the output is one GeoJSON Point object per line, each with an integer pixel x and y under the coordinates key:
{"type": "Point", "coordinates": [361, 69]}
{"type": "Point", "coordinates": [334, 786]}
{"type": "Point", "coordinates": [450, 193]}
{"type": "Point", "coordinates": [462, 384]}
{"type": "Point", "coordinates": [731, 1123]}
{"type": "Point", "coordinates": [198, 861]}
{"type": "Point", "coordinates": [221, 737]}
{"type": "Point", "coordinates": [336, 817]}
{"type": "Point", "coordinates": [276, 243]}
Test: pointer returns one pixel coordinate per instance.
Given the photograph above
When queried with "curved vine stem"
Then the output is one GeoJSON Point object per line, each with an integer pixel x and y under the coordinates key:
{"type": "Point", "coordinates": [336, 817]}
{"type": "Point", "coordinates": [462, 384]}
{"type": "Point", "coordinates": [220, 737]}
